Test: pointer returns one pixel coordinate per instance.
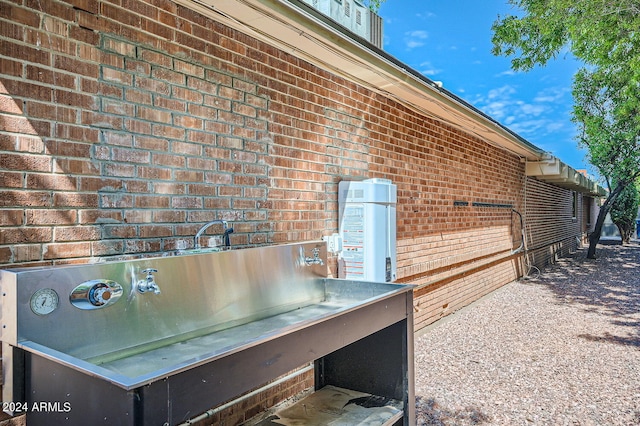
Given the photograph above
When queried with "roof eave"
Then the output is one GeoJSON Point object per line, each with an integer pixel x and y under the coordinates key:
{"type": "Point", "coordinates": [294, 27]}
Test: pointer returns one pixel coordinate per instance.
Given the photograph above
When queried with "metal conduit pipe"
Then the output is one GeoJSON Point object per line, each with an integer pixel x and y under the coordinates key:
{"type": "Point", "coordinates": [521, 248]}
{"type": "Point", "coordinates": [210, 413]}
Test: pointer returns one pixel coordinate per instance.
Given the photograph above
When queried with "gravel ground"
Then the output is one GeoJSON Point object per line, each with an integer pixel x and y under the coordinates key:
{"type": "Point", "coordinates": [561, 349]}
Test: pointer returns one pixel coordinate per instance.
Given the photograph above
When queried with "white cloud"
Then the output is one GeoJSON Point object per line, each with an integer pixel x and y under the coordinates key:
{"type": "Point", "coordinates": [425, 15]}
{"type": "Point", "coordinates": [412, 44]}
{"type": "Point", "coordinates": [551, 94]}
{"type": "Point", "coordinates": [497, 109]}
{"type": "Point", "coordinates": [532, 109]}
{"type": "Point", "coordinates": [556, 127]}
{"type": "Point", "coordinates": [503, 92]}
{"type": "Point", "coordinates": [537, 117]}
{"type": "Point", "coordinates": [507, 73]}
{"type": "Point", "coordinates": [417, 34]}
{"type": "Point", "coordinates": [426, 68]}
{"type": "Point", "coordinates": [415, 38]}
{"type": "Point", "coordinates": [524, 127]}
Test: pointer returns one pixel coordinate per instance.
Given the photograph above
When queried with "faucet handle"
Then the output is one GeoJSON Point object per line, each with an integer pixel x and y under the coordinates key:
{"type": "Point", "coordinates": [149, 283]}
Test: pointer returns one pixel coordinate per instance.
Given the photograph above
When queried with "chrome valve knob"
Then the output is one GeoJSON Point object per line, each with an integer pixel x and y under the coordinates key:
{"type": "Point", "coordinates": [99, 294]}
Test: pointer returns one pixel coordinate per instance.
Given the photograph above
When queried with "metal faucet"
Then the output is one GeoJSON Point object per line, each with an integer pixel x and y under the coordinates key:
{"type": "Point", "coordinates": [149, 283]}
{"type": "Point", "coordinates": [204, 227]}
{"type": "Point", "coordinates": [315, 260]}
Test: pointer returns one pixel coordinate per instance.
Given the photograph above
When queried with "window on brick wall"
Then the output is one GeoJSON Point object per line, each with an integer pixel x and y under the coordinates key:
{"type": "Point", "coordinates": [574, 205]}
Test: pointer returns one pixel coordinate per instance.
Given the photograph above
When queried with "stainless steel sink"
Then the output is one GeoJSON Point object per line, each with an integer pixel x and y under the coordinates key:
{"type": "Point", "coordinates": [215, 314]}
{"type": "Point", "coordinates": [132, 368]}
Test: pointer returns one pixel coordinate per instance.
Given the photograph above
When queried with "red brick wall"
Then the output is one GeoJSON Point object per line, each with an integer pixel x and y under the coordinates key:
{"type": "Point", "coordinates": [131, 125]}
{"type": "Point", "coordinates": [551, 227]}
{"type": "Point", "coordinates": [127, 124]}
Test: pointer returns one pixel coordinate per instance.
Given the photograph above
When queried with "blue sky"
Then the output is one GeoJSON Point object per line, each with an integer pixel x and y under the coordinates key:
{"type": "Point", "coordinates": [450, 41]}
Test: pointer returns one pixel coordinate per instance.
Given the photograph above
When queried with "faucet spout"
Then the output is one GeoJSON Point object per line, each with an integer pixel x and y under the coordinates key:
{"type": "Point", "coordinates": [149, 283]}
{"type": "Point", "coordinates": [204, 227]}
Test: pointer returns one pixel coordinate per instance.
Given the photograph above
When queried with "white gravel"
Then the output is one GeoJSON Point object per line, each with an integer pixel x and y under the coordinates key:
{"type": "Point", "coordinates": [562, 349]}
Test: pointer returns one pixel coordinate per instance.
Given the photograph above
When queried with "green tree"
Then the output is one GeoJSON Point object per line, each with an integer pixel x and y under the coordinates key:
{"type": "Point", "coordinates": [374, 5]}
{"type": "Point", "coordinates": [624, 212]}
{"type": "Point", "coordinates": [598, 32]}
{"type": "Point", "coordinates": [608, 122]}
{"type": "Point", "coordinates": [604, 36]}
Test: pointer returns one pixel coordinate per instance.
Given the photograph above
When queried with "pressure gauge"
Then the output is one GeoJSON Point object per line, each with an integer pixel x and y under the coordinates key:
{"type": "Point", "coordinates": [44, 301]}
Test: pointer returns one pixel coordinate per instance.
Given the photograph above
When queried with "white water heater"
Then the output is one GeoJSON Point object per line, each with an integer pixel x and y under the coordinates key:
{"type": "Point", "coordinates": [368, 229]}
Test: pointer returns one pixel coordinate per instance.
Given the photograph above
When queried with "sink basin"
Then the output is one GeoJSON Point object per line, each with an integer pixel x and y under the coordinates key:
{"type": "Point", "coordinates": [133, 368]}
{"type": "Point", "coordinates": [222, 324]}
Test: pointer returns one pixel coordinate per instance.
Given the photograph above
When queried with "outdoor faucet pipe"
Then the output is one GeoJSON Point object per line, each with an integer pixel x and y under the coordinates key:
{"type": "Point", "coordinates": [149, 282]}
{"type": "Point", "coordinates": [227, 241]}
{"type": "Point", "coordinates": [204, 227]}
{"type": "Point", "coordinates": [519, 249]}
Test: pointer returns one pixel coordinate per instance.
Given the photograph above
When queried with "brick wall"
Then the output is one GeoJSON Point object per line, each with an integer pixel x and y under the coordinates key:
{"type": "Point", "coordinates": [128, 124]}
{"type": "Point", "coordinates": [552, 226]}
{"type": "Point", "coordinates": [258, 400]}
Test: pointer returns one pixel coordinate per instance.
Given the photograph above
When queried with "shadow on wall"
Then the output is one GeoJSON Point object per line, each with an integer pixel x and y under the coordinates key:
{"type": "Point", "coordinates": [608, 285]}
{"type": "Point", "coordinates": [430, 412]}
